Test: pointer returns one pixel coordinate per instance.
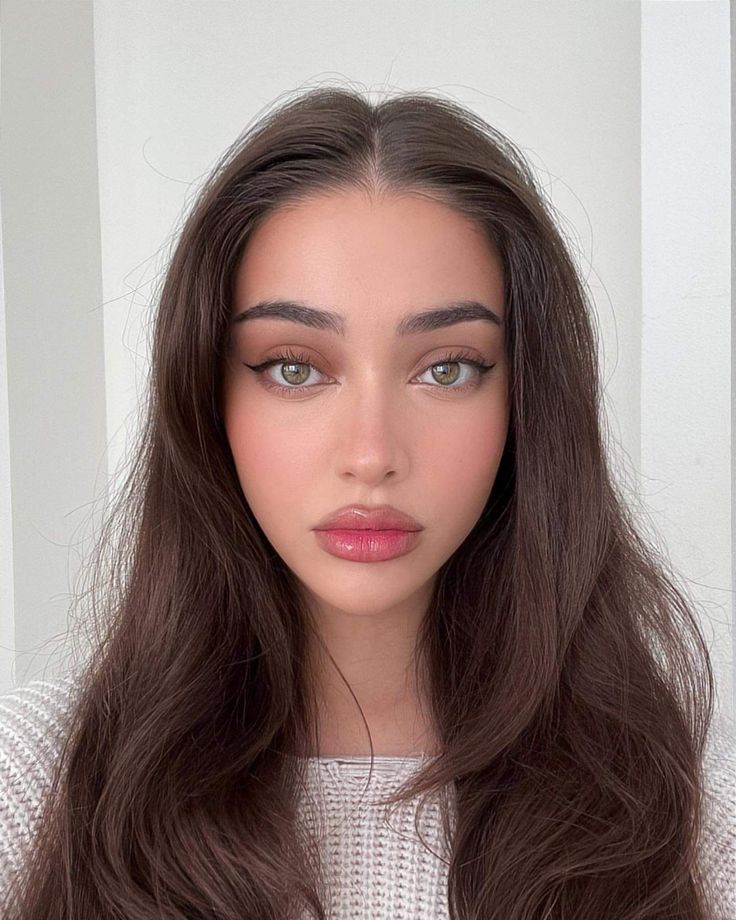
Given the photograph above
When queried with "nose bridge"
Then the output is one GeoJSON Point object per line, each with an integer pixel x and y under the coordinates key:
{"type": "Point", "coordinates": [370, 405]}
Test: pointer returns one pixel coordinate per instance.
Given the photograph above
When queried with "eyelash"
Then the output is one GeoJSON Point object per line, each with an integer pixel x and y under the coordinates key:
{"type": "Point", "coordinates": [289, 357]}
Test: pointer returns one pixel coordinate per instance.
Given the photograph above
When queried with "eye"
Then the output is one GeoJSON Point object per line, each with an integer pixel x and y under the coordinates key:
{"type": "Point", "coordinates": [296, 367]}
{"type": "Point", "coordinates": [446, 372]}
{"type": "Point", "coordinates": [295, 364]}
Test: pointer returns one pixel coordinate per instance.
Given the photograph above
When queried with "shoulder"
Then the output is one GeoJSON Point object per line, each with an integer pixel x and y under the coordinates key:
{"type": "Point", "coordinates": [719, 830]}
{"type": "Point", "coordinates": [32, 724]}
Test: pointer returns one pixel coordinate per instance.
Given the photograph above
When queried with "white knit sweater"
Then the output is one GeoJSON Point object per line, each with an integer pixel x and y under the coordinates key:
{"type": "Point", "coordinates": [377, 866]}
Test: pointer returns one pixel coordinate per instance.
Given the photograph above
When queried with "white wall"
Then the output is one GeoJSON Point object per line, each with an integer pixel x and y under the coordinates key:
{"type": "Point", "coordinates": [686, 389]}
{"type": "Point", "coordinates": [52, 377]}
{"type": "Point", "coordinates": [585, 89]}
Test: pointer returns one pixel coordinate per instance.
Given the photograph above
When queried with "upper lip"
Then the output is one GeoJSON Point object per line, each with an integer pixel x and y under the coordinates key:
{"type": "Point", "coordinates": [366, 517]}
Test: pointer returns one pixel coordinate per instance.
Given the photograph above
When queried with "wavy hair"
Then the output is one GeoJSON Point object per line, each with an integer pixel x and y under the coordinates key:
{"type": "Point", "coordinates": [566, 670]}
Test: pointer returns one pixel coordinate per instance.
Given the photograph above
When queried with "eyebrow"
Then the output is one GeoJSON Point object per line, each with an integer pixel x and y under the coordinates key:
{"type": "Point", "coordinates": [449, 314]}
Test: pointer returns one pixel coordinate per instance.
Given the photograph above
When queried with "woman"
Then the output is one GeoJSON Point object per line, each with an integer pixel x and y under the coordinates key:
{"type": "Point", "coordinates": [371, 544]}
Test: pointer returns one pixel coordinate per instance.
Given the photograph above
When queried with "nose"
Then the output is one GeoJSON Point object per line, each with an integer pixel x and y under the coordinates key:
{"type": "Point", "coordinates": [371, 436]}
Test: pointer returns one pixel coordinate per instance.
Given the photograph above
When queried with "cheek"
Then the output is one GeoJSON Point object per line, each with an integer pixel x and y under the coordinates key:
{"type": "Point", "coordinates": [463, 462]}
{"type": "Point", "coordinates": [273, 469]}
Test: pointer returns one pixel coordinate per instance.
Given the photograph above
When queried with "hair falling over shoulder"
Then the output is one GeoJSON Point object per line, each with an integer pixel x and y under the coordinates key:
{"type": "Point", "coordinates": [565, 664]}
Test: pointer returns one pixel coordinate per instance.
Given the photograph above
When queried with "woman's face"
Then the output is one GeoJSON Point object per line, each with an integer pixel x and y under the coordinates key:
{"type": "Point", "coordinates": [369, 416]}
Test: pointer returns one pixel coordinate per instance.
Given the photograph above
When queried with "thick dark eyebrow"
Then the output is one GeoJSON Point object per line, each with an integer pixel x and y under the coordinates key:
{"type": "Point", "coordinates": [294, 311]}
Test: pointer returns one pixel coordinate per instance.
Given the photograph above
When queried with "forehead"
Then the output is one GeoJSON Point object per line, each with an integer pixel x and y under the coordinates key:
{"type": "Point", "coordinates": [361, 254]}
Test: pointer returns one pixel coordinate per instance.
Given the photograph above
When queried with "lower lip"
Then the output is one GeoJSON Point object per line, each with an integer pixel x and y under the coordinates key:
{"type": "Point", "coordinates": [367, 545]}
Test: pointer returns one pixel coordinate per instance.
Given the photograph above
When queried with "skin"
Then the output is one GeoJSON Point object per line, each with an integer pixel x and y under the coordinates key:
{"type": "Point", "coordinates": [373, 423]}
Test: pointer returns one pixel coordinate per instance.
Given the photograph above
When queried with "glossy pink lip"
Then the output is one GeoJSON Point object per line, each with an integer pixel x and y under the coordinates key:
{"type": "Point", "coordinates": [364, 517]}
{"type": "Point", "coordinates": [367, 545]}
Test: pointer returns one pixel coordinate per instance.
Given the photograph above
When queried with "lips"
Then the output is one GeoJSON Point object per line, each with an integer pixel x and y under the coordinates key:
{"type": "Point", "coordinates": [365, 517]}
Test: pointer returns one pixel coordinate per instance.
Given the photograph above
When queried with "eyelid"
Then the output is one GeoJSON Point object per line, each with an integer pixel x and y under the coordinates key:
{"type": "Point", "coordinates": [299, 355]}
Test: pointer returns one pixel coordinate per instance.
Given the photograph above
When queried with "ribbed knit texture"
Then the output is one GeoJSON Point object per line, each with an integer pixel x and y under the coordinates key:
{"type": "Point", "coordinates": [377, 865]}
{"type": "Point", "coordinates": [375, 862]}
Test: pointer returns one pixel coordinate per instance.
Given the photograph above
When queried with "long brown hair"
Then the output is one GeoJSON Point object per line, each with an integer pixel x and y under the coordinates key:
{"type": "Point", "coordinates": [566, 668]}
